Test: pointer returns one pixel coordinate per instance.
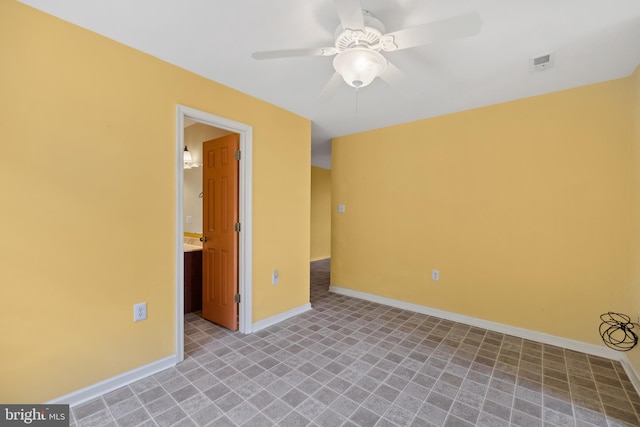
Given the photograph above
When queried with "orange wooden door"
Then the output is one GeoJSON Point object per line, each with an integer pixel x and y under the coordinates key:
{"type": "Point", "coordinates": [219, 218]}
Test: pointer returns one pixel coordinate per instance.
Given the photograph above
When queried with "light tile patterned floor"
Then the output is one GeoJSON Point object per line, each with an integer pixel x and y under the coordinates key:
{"type": "Point", "coordinates": [355, 363]}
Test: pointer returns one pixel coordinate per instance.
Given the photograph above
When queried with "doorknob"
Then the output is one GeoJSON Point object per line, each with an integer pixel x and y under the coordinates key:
{"type": "Point", "coordinates": [203, 239]}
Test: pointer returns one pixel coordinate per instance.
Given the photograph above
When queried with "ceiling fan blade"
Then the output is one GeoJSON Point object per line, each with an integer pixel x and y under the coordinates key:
{"type": "Point", "coordinates": [350, 13]}
{"type": "Point", "coordinates": [446, 29]}
{"type": "Point", "coordinates": [330, 88]}
{"type": "Point", "coordinates": [399, 81]}
{"type": "Point", "coordinates": [290, 53]}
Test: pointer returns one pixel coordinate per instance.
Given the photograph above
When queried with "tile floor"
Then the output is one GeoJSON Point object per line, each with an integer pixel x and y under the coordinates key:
{"type": "Point", "coordinates": [355, 363]}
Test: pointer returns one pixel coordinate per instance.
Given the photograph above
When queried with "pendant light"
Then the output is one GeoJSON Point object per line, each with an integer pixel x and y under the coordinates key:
{"type": "Point", "coordinates": [186, 158]}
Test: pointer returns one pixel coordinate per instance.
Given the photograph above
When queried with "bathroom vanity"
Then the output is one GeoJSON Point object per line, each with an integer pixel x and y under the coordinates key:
{"type": "Point", "coordinates": [192, 278]}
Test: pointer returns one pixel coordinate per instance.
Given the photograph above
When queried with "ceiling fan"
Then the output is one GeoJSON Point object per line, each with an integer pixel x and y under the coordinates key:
{"type": "Point", "coordinates": [360, 38]}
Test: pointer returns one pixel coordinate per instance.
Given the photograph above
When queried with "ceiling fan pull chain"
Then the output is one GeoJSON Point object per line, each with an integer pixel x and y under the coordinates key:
{"type": "Point", "coordinates": [356, 100]}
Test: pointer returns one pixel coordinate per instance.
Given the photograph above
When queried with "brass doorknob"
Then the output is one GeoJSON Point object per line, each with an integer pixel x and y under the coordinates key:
{"type": "Point", "coordinates": [203, 239]}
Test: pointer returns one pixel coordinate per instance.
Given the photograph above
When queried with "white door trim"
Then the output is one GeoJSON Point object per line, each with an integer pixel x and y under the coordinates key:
{"type": "Point", "coordinates": [245, 212]}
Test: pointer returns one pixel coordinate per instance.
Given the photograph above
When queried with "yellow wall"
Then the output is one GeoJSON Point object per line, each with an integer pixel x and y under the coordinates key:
{"type": "Point", "coordinates": [634, 355]}
{"type": "Point", "coordinates": [320, 213]}
{"type": "Point", "coordinates": [87, 161]}
{"type": "Point", "coordinates": [524, 207]}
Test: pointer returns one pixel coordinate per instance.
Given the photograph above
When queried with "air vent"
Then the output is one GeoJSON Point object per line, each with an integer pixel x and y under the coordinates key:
{"type": "Point", "coordinates": [542, 62]}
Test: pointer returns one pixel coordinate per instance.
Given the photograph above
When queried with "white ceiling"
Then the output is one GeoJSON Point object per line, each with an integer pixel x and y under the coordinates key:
{"type": "Point", "coordinates": [592, 41]}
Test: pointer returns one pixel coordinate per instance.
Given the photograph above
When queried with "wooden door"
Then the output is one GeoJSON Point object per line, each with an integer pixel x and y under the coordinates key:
{"type": "Point", "coordinates": [219, 218]}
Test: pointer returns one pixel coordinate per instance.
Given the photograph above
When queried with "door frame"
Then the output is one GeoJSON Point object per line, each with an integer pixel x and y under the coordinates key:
{"type": "Point", "coordinates": [245, 214]}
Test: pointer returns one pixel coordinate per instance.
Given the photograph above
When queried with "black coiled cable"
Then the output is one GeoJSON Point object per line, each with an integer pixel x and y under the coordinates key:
{"type": "Point", "coordinates": [616, 331]}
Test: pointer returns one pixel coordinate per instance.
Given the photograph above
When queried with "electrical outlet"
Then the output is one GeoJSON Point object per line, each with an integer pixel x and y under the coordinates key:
{"type": "Point", "coordinates": [274, 277]}
{"type": "Point", "coordinates": [435, 275]}
{"type": "Point", "coordinates": [139, 311]}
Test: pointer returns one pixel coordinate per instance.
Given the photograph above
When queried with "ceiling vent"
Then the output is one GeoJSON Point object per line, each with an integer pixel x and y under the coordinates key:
{"type": "Point", "coordinates": [542, 62]}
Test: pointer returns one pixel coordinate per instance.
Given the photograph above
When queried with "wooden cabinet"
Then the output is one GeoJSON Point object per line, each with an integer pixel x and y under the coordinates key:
{"type": "Point", "coordinates": [192, 281]}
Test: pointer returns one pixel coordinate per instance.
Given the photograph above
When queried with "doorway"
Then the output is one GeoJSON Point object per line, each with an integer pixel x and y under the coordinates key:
{"type": "Point", "coordinates": [245, 133]}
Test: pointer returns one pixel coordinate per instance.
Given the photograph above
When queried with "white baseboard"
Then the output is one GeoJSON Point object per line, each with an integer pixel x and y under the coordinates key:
{"type": "Point", "coordinates": [631, 373]}
{"type": "Point", "coordinates": [264, 323]}
{"type": "Point", "coordinates": [493, 326]}
{"type": "Point", "coordinates": [96, 390]}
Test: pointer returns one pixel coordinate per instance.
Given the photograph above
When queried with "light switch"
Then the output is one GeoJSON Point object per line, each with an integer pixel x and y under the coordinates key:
{"type": "Point", "coordinates": [189, 219]}
{"type": "Point", "coordinates": [340, 208]}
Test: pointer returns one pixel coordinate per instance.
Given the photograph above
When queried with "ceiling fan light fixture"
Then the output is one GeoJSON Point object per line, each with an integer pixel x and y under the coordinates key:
{"type": "Point", "coordinates": [358, 66]}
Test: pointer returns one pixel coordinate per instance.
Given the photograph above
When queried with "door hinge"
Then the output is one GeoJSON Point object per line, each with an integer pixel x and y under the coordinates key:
{"type": "Point", "coordinates": [236, 298]}
{"type": "Point", "coordinates": [237, 227]}
{"type": "Point", "coordinates": [238, 154]}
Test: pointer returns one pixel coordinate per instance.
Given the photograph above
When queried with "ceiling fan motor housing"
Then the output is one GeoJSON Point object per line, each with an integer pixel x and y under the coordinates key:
{"type": "Point", "coordinates": [350, 37]}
